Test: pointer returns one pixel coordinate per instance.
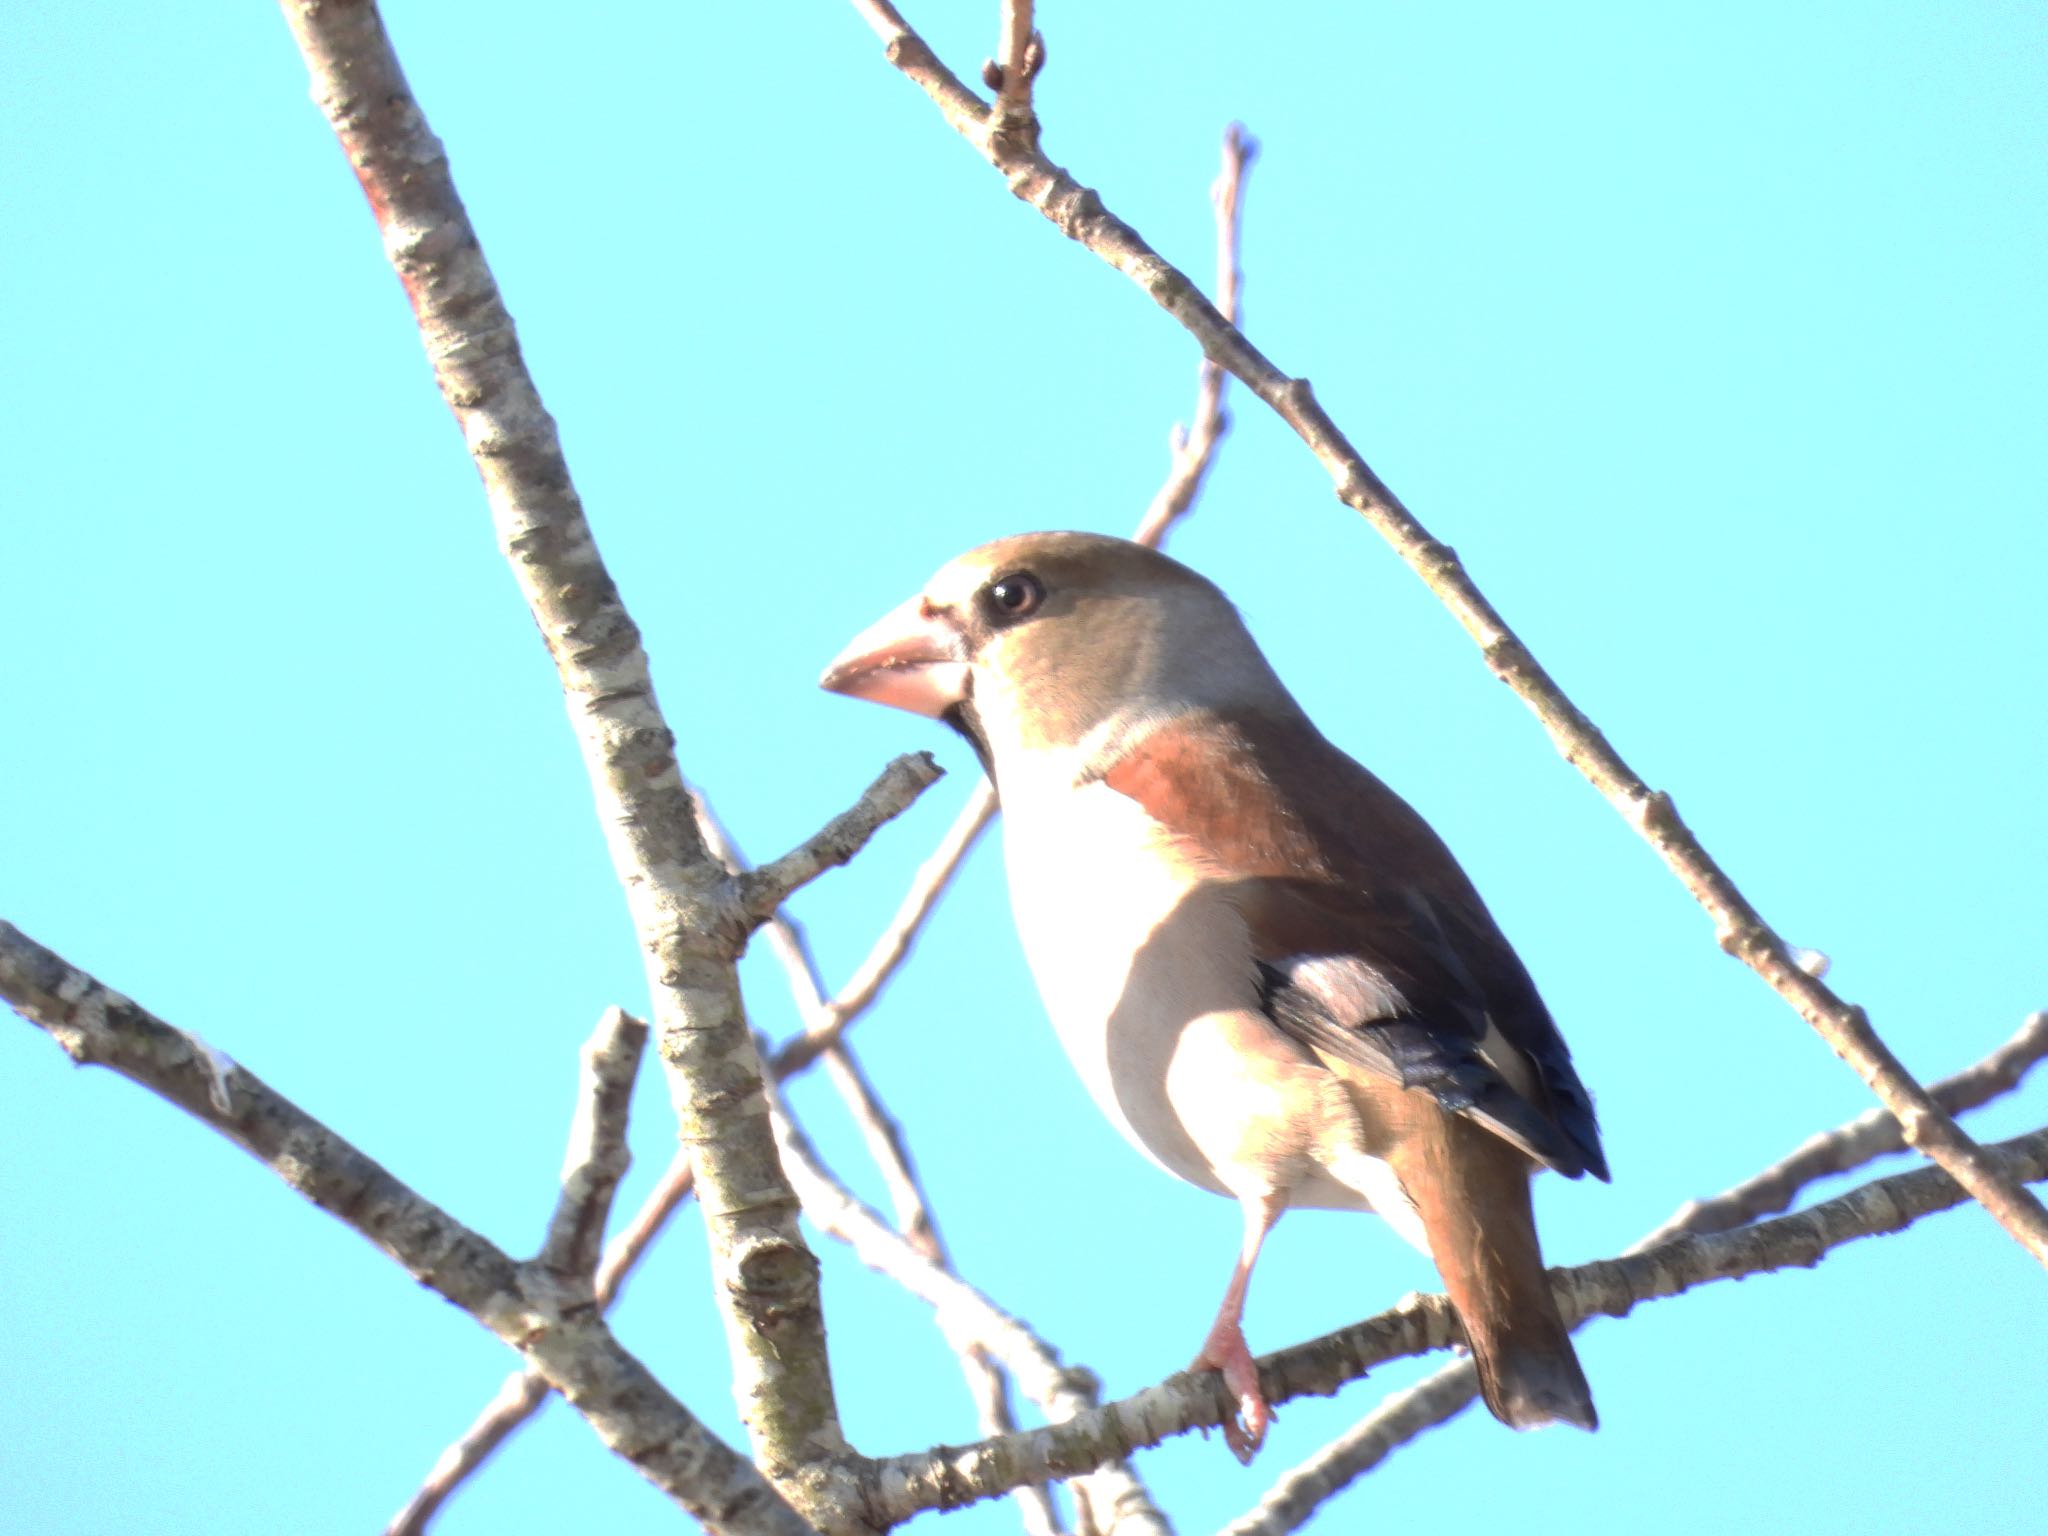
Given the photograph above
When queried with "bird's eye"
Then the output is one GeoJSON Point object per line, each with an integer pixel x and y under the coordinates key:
{"type": "Point", "coordinates": [1014, 596]}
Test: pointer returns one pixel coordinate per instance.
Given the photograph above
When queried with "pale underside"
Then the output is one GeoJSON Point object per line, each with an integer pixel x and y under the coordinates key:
{"type": "Point", "coordinates": [1149, 964]}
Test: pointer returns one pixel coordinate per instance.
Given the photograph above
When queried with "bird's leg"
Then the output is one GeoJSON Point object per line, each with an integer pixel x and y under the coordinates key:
{"type": "Point", "coordinates": [1225, 1349]}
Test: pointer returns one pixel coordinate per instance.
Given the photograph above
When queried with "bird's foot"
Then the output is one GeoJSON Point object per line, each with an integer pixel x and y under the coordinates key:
{"type": "Point", "coordinates": [1225, 1350]}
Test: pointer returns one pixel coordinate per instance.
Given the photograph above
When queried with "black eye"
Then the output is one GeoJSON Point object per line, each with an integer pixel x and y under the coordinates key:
{"type": "Point", "coordinates": [1014, 596]}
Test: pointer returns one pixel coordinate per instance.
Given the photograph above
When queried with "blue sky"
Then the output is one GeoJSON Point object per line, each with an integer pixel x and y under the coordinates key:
{"type": "Point", "coordinates": [1711, 337]}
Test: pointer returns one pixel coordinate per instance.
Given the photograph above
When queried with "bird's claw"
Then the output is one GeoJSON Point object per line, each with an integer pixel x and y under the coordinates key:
{"type": "Point", "coordinates": [1244, 1430]}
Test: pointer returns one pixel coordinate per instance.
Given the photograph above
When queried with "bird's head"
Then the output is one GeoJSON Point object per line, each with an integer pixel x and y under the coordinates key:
{"type": "Point", "coordinates": [1057, 645]}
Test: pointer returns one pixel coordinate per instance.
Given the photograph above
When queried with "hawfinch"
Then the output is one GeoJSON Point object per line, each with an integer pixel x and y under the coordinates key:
{"type": "Point", "coordinates": [1272, 976]}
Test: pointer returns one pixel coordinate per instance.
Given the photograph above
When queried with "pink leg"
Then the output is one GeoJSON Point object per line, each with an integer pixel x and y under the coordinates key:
{"type": "Point", "coordinates": [1225, 1349]}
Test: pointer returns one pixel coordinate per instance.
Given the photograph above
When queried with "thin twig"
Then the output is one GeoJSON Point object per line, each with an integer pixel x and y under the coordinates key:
{"type": "Point", "coordinates": [1872, 1134]}
{"type": "Point", "coordinates": [1064, 1393]}
{"type": "Point", "coordinates": [1446, 1393]}
{"type": "Point", "coordinates": [1011, 74]}
{"type": "Point", "coordinates": [597, 1158]}
{"type": "Point", "coordinates": [765, 888]}
{"type": "Point", "coordinates": [987, 1383]}
{"type": "Point", "coordinates": [1193, 451]}
{"type": "Point", "coordinates": [890, 950]}
{"type": "Point", "coordinates": [1403, 1415]}
{"type": "Point", "coordinates": [1194, 448]}
{"type": "Point", "coordinates": [526, 1305]}
{"type": "Point", "coordinates": [521, 1394]}
{"type": "Point", "coordinates": [518, 1398]}
{"type": "Point", "coordinates": [1078, 213]}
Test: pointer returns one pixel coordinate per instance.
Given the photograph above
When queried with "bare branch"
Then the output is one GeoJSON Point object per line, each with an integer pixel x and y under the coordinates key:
{"type": "Point", "coordinates": [682, 905]}
{"type": "Point", "coordinates": [520, 1395]}
{"type": "Point", "coordinates": [1299, 1492]}
{"type": "Point", "coordinates": [889, 950]}
{"type": "Point", "coordinates": [523, 1304]}
{"type": "Point", "coordinates": [1078, 213]}
{"type": "Point", "coordinates": [987, 1382]}
{"type": "Point", "coordinates": [1195, 448]}
{"type": "Point", "coordinates": [517, 1400]}
{"type": "Point", "coordinates": [762, 890]}
{"type": "Point", "coordinates": [1872, 1134]}
{"type": "Point", "coordinates": [625, 1251]}
{"type": "Point", "coordinates": [597, 1157]}
{"type": "Point", "coordinates": [1608, 1287]}
{"type": "Point", "coordinates": [1011, 76]}
{"type": "Point", "coordinates": [967, 112]}
{"type": "Point", "coordinates": [1064, 1393]}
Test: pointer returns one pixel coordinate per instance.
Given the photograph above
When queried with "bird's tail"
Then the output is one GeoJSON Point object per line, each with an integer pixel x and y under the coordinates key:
{"type": "Point", "coordinates": [1473, 1198]}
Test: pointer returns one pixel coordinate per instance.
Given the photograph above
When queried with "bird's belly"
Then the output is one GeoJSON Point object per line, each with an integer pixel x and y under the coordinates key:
{"type": "Point", "coordinates": [1126, 958]}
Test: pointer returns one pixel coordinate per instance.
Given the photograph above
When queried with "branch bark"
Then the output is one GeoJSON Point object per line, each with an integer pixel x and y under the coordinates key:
{"type": "Point", "coordinates": [597, 1157]}
{"type": "Point", "coordinates": [892, 947]}
{"type": "Point", "coordinates": [1194, 449]}
{"type": "Point", "coordinates": [690, 919]}
{"type": "Point", "coordinates": [1116, 1498]}
{"type": "Point", "coordinates": [1078, 212]}
{"type": "Point", "coordinates": [570, 1348]}
{"type": "Point", "coordinates": [522, 1392]}
{"type": "Point", "coordinates": [527, 1305]}
{"type": "Point", "coordinates": [1871, 1135]}
{"type": "Point", "coordinates": [904, 1485]}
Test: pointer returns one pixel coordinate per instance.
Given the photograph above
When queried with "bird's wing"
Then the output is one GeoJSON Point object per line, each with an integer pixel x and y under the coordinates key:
{"type": "Point", "coordinates": [1373, 948]}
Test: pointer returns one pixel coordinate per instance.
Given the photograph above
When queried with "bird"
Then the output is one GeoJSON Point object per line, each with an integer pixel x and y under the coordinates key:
{"type": "Point", "coordinates": [1269, 971]}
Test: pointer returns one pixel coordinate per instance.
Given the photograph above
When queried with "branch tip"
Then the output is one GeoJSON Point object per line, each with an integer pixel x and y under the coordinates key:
{"type": "Point", "coordinates": [758, 892]}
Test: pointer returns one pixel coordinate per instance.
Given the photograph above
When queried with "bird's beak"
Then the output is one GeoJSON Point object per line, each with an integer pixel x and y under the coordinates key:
{"type": "Point", "coordinates": [910, 659]}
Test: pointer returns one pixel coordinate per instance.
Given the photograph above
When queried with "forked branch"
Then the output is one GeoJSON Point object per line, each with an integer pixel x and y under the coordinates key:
{"type": "Point", "coordinates": [527, 1305]}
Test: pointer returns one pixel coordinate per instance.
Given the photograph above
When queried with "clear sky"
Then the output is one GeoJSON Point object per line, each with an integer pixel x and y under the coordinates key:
{"type": "Point", "coordinates": [1711, 336]}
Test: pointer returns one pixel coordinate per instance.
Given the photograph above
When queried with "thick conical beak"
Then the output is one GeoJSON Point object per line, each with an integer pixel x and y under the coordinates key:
{"type": "Point", "coordinates": [909, 659]}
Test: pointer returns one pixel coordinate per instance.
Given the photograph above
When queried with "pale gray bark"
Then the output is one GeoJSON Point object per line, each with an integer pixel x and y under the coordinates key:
{"type": "Point", "coordinates": [691, 917]}
{"type": "Point", "coordinates": [527, 1305]}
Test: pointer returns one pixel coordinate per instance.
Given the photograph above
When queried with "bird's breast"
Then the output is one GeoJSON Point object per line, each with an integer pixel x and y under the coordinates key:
{"type": "Point", "coordinates": [1129, 945]}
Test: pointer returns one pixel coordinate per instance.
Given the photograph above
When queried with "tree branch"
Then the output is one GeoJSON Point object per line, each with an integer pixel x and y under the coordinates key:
{"type": "Point", "coordinates": [760, 891]}
{"type": "Point", "coordinates": [520, 1395]}
{"type": "Point", "coordinates": [1610, 1287]}
{"type": "Point", "coordinates": [690, 925]}
{"type": "Point", "coordinates": [1064, 1393]}
{"type": "Point", "coordinates": [1023, 55]}
{"type": "Point", "coordinates": [597, 1157]}
{"type": "Point", "coordinates": [526, 1305]}
{"type": "Point", "coordinates": [1403, 1415]}
{"type": "Point", "coordinates": [1078, 213]}
{"type": "Point", "coordinates": [1871, 1135]}
{"type": "Point", "coordinates": [1194, 448]}
{"type": "Point", "coordinates": [893, 946]}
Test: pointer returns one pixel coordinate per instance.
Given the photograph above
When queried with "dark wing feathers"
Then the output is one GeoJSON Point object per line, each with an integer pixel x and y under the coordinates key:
{"type": "Point", "coordinates": [1373, 947]}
